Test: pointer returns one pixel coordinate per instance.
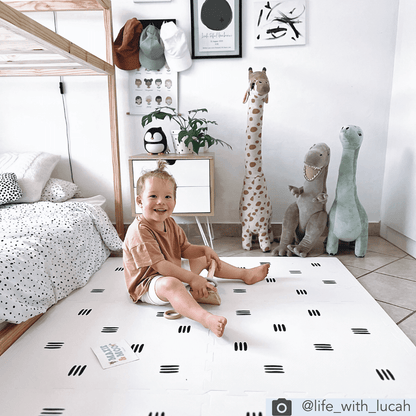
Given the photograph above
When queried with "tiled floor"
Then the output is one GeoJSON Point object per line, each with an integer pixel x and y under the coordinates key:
{"type": "Point", "coordinates": [386, 272]}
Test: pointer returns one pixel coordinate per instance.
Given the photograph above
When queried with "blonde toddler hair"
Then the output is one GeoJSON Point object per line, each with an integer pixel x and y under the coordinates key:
{"type": "Point", "coordinates": [160, 173]}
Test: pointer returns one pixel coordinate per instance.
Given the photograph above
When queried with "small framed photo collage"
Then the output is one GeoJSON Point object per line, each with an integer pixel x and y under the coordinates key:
{"type": "Point", "coordinates": [152, 89]}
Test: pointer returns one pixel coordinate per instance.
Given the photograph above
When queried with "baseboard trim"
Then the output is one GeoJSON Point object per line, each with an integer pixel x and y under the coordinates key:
{"type": "Point", "coordinates": [234, 229]}
{"type": "Point", "coordinates": [399, 240]}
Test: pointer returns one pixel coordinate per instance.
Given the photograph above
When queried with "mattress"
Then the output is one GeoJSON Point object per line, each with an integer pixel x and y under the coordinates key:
{"type": "Point", "coordinates": [47, 250]}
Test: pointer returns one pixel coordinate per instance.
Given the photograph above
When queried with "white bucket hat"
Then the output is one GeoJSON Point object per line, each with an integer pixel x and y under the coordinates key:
{"type": "Point", "coordinates": [177, 52]}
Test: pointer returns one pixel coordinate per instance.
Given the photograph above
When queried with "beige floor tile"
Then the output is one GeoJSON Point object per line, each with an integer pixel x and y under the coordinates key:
{"type": "Point", "coordinates": [405, 268]}
{"type": "Point", "coordinates": [357, 272]}
{"type": "Point", "coordinates": [408, 326]}
{"type": "Point", "coordinates": [395, 312]}
{"type": "Point", "coordinates": [371, 261]}
{"type": "Point", "coordinates": [389, 289]}
{"type": "Point", "coordinates": [379, 245]}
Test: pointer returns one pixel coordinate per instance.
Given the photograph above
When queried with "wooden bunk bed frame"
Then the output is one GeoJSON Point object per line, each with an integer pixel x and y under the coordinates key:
{"type": "Point", "coordinates": [27, 48]}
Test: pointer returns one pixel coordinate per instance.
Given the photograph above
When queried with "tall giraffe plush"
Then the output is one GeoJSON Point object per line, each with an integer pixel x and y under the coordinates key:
{"type": "Point", "coordinates": [255, 206]}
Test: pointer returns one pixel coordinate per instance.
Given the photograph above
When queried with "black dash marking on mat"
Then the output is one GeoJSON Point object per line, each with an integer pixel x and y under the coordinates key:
{"type": "Point", "coordinates": [276, 369]}
{"type": "Point", "coordinates": [240, 346]}
{"type": "Point", "coordinates": [52, 411]}
{"type": "Point", "coordinates": [316, 264]}
{"type": "Point", "coordinates": [279, 327]}
{"type": "Point", "coordinates": [53, 345]}
{"type": "Point", "coordinates": [264, 262]}
{"type": "Point", "coordinates": [84, 312]}
{"type": "Point", "coordinates": [119, 269]}
{"type": "Point", "coordinates": [313, 312]}
{"type": "Point", "coordinates": [323, 347]}
{"type": "Point", "coordinates": [160, 314]}
{"type": "Point", "coordinates": [361, 331]}
{"type": "Point", "coordinates": [301, 292]}
{"type": "Point", "coordinates": [184, 328]}
{"type": "Point", "coordinates": [137, 348]}
{"type": "Point", "coordinates": [77, 370]}
{"type": "Point", "coordinates": [385, 375]}
{"type": "Point", "coordinates": [295, 271]}
{"type": "Point", "coordinates": [167, 369]}
{"type": "Point", "coordinates": [329, 282]}
{"type": "Point", "coordinates": [242, 312]}
{"type": "Point", "coordinates": [97, 290]}
{"type": "Point", "coordinates": [240, 290]}
{"type": "Point", "coordinates": [110, 329]}
{"type": "Point", "coordinates": [270, 280]}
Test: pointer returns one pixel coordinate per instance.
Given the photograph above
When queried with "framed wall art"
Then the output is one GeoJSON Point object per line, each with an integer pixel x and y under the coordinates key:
{"type": "Point", "coordinates": [280, 23]}
{"type": "Point", "coordinates": [149, 90]}
{"type": "Point", "coordinates": [216, 28]}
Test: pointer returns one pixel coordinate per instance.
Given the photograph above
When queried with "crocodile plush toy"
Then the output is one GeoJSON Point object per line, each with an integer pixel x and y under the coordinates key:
{"type": "Point", "coordinates": [305, 220]}
{"type": "Point", "coordinates": [347, 218]}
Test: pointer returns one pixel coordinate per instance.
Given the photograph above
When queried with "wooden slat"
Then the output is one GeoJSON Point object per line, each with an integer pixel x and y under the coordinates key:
{"type": "Point", "coordinates": [58, 5]}
{"type": "Point", "coordinates": [115, 151]}
{"type": "Point", "coordinates": [11, 333]}
{"type": "Point", "coordinates": [50, 63]}
{"type": "Point", "coordinates": [49, 40]}
{"type": "Point", "coordinates": [42, 72]}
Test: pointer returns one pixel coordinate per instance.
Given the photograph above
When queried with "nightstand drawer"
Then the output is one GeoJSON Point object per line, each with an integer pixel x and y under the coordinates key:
{"type": "Point", "coordinates": [185, 172]}
{"type": "Point", "coordinates": [191, 200]}
{"type": "Point", "coordinates": [193, 175]}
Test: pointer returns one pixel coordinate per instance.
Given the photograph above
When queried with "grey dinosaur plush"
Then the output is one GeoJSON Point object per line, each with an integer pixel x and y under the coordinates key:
{"type": "Point", "coordinates": [305, 220]}
{"type": "Point", "coordinates": [348, 220]}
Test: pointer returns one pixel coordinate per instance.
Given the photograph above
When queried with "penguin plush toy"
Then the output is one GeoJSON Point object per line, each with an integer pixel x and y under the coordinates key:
{"type": "Point", "coordinates": [155, 142]}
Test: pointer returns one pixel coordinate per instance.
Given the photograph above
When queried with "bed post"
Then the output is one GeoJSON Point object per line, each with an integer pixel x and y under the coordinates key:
{"type": "Point", "coordinates": [115, 150]}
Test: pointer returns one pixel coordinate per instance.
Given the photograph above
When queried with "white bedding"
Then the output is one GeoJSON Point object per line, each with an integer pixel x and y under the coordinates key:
{"type": "Point", "coordinates": [47, 250]}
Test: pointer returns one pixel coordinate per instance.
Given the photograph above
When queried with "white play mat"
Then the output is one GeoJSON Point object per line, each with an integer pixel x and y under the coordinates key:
{"type": "Point", "coordinates": [308, 331]}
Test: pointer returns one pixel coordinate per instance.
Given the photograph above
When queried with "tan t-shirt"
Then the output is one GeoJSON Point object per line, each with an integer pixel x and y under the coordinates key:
{"type": "Point", "coordinates": [143, 247]}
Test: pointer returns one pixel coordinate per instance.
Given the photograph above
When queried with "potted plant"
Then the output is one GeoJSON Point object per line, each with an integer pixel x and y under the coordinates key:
{"type": "Point", "coordinates": [193, 129]}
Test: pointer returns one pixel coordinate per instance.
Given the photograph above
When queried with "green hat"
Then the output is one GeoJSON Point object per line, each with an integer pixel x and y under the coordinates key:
{"type": "Point", "coordinates": [151, 49]}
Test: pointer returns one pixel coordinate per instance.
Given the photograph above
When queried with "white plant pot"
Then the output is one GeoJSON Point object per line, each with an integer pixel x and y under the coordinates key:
{"type": "Point", "coordinates": [181, 148]}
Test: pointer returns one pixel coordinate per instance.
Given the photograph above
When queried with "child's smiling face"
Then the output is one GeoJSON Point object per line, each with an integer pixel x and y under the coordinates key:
{"type": "Point", "coordinates": [157, 201]}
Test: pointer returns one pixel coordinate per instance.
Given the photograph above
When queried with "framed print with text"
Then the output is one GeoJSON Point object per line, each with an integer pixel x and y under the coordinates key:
{"type": "Point", "coordinates": [216, 28]}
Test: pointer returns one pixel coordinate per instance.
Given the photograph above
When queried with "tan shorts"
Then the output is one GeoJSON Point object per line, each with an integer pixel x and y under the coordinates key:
{"type": "Point", "coordinates": [151, 297]}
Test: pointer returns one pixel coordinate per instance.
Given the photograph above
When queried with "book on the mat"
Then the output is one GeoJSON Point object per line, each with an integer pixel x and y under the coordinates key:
{"type": "Point", "coordinates": [114, 354]}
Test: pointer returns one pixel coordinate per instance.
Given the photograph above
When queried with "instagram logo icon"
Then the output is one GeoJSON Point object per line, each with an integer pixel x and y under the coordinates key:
{"type": "Point", "coordinates": [281, 407]}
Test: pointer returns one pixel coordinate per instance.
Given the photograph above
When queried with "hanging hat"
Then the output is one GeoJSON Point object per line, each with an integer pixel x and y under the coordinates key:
{"type": "Point", "coordinates": [151, 49]}
{"type": "Point", "coordinates": [126, 45]}
{"type": "Point", "coordinates": [176, 49]}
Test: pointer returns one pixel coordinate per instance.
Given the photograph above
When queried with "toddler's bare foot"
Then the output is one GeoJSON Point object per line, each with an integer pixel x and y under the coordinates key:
{"type": "Point", "coordinates": [216, 324]}
{"type": "Point", "coordinates": [256, 274]}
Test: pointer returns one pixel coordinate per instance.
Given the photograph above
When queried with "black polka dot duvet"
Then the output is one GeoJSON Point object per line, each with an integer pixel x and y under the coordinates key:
{"type": "Point", "coordinates": [47, 250]}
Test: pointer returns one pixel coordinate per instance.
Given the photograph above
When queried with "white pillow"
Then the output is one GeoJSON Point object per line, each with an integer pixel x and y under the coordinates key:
{"type": "Point", "coordinates": [58, 190]}
{"type": "Point", "coordinates": [33, 169]}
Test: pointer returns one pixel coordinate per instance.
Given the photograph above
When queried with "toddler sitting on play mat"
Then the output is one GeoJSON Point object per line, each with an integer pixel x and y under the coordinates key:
{"type": "Point", "coordinates": [155, 246]}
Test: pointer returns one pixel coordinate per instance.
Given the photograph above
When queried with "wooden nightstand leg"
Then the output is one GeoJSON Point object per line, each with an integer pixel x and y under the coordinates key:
{"type": "Point", "coordinates": [202, 232]}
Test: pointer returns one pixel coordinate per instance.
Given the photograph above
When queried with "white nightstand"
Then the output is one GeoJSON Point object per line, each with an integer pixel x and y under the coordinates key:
{"type": "Point", "coordinates": [194, 175]}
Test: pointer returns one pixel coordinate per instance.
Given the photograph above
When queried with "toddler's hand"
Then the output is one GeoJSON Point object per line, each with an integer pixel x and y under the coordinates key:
{"type": "Point", "coordinates": [199, 287]}
{"type": "Point", "coordinates": [210, 255]}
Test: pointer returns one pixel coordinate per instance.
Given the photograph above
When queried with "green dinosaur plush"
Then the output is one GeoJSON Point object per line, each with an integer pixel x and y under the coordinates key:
{"type": "Point", "coordinates": [305, 220]}
{"type": "Point", "coordinates": [347, 218]}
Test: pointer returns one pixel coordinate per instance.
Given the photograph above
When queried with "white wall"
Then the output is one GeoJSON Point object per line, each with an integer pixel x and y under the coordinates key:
{"type": "Point", "coordinates": [399, 197]}
{"type": "Point", "coordinates": [342, 75]}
